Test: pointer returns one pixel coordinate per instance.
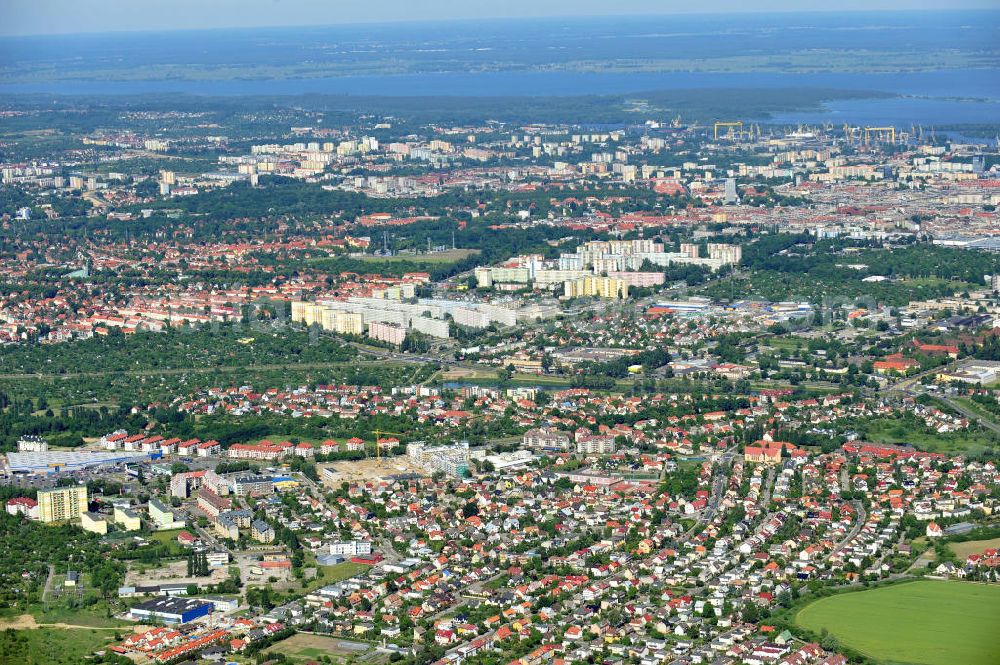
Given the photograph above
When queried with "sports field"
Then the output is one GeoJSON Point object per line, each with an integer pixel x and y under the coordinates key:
{"type": "Point", "coordinates": [304, 647]}
{"type": "Point", "coordinates": [925, 622]}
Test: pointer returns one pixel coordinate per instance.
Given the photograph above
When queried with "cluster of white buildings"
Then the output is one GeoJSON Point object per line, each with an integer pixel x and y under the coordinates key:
{"type": "Point", "coordinates": [618, 260]}
{"type": "Point", "coordinates": [608, 256]}
{"type": "Point", "coordinates": [353, 314]}
{"type": "Point", "coordinates": [389, 319]}
{"type": "Point", "coordinates": [312, 158]}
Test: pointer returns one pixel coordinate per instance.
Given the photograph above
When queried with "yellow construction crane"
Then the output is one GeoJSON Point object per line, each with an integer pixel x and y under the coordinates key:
{"type": "Point", "coordinates": [738, 125]}
{"type": "Point", "coordinates": [880, 133]}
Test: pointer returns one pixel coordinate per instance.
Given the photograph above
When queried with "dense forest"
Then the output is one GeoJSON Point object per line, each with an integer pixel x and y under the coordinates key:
{"type": "Point", "coordinates": [177, 348]}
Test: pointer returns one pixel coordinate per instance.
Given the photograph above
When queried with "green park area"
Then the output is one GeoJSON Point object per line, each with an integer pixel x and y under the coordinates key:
{"type": "Point", "coordinates": [918, 623]}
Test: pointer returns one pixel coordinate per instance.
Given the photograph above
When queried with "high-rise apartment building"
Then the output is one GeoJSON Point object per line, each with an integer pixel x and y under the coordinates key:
{"type": "Point", "coordinates": [60, 504]}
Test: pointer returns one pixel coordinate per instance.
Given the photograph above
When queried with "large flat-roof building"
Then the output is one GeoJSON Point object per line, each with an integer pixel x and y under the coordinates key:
{"type": "Point", "coordinates": [171, 609]}
{"type": "Point", "coordinates": [253, 486]}
{"type": "Point", "coordinates": [55, 461]}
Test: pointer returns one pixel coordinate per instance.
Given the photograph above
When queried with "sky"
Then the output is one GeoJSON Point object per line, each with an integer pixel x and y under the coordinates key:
{"type": "Point", "coordinates": [38, 17]}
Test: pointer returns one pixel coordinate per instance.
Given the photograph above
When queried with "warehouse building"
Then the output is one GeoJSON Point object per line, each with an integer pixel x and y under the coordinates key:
{"type": "Point", "coordinates": [55, 461]}
{"type": "Point", "coordinates": [171, 609]}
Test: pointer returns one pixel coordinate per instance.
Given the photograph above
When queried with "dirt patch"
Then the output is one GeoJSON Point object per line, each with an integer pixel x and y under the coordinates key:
{"type": "Point", "coordinates": [458, 373]}
{"type": "Point", "coordinates": [172, 572]}
{"type": "Point", "coordinates": [28, 622]}
{"type": "Point", "coordinates": [23, 622]}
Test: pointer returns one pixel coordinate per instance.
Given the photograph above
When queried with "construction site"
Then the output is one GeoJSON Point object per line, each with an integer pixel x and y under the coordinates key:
{"type": "Point", "coordinates": [333, 474]}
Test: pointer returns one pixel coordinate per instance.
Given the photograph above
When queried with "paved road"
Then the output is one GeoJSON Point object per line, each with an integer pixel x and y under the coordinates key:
{"type": "Point", "coordinates": [474, 588]}
{"type": "Point", "coordinates": [862, 516]}
{"type": "Point", "coordinates": [205, 535]}
{"type": "Point", "coordinates": [719, 483]}
{"type": "Point", "coordinates": [28, 622]}
{"type": "Point", "coordinates": [768, 486]}
{"type": "Point", "coordinates": [906, 385]}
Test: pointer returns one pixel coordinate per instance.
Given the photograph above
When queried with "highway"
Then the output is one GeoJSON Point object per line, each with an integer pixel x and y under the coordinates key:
{"type": "Point", "coordinates": [911, 386]}
{"type": "Point", "coordinates": [968, 413]}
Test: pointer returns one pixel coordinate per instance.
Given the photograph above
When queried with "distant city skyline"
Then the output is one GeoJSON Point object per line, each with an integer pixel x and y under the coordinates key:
{"type": "Point", "coordinates": [54, 17]}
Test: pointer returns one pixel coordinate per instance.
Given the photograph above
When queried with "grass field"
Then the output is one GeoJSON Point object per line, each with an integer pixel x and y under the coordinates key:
{"type": "Point", "coordinates": [342, 571]}
{"type": "Point", "coordinates": [890, 430]}
{"type": "Point", "coordinates": [963, 550]}
{"type": "Point", "coordinates": [169, 536]}
{"type": "Point", "coordinates": [93, 617]}
{"type": "Point", "coordinates": [447, 256]}
{"type": "Point", "coordinates": [925, 623]}
{"type": "Point", "coordinates": [302, 647]}
{"type": "Point", "coordinates": [335, 573]}
{"type": "Point", "coordinates": [48, 646]}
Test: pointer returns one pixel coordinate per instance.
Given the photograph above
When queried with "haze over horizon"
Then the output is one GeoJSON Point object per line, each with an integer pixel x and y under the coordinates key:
{"type": "Point", "coordinates": [67, 17]}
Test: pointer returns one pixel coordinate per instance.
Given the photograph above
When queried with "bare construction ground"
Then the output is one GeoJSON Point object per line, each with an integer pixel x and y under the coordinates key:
{"type": "Point", "coordinates": [172, 572]}
{"type": "Point", "coordinates": [334, 473]}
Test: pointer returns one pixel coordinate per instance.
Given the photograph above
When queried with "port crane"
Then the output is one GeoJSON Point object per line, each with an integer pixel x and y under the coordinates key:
{"type": "Point", "coordinates": [732, 128]}
{"type": "Point", "coordinates": [880, 134]}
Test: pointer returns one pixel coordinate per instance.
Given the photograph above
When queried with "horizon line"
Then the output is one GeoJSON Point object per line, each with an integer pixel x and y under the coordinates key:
{"type": "Point", "coordinates": [481, 19]}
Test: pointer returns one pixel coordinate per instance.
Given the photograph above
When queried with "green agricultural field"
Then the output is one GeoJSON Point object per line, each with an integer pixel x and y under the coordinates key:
{"type": "Point", "coordinates": [963, 550]}
{"type": "Point", "coordinates": [919, 623]}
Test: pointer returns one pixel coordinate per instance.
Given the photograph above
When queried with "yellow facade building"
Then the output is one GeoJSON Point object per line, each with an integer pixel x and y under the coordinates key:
{"type": "Point", "coordinates": [61, 504]}
{"type": "Point", "coordinates": [128, 519]}
{"type": "Point", "coordinates": [94, 523]}
{"type": "Point", "coordinates": [600, 287]}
